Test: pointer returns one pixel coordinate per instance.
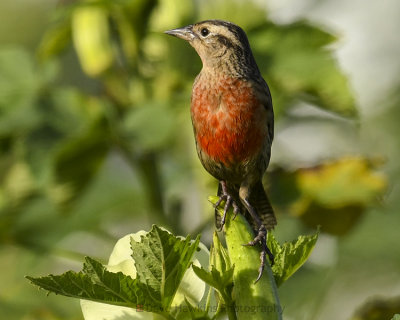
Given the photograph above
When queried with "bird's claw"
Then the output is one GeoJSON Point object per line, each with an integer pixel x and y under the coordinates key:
{"type": "Point", "coordinates": [261, 238]}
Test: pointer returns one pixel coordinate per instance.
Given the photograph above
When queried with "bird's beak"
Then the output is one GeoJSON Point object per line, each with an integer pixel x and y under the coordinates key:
{"type": "Point", "coordinates": [185, 33]}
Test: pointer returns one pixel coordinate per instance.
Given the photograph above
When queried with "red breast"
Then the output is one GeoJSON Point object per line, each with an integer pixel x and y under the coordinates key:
{"type": "Point", "coordinates": [229, 121]}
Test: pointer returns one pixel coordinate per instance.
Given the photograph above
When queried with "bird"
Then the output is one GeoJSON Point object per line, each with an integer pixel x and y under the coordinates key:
{"type": "Point", "coordinates": [233, 123]}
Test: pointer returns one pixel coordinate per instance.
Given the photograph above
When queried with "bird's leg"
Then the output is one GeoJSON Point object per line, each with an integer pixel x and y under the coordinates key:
{"type": "Point", "coordinates": [260, 238]}
{"type": "Point", "coordinates": [229, 202]}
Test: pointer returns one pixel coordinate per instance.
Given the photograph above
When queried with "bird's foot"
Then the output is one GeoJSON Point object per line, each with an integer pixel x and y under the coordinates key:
{"type": "Point", "coordinates": [229, 202]}
{"type": "Point", "coordinates": [261, 239]}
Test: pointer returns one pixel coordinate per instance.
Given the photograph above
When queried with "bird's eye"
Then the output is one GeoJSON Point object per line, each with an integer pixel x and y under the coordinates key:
{"type": "Point", "coordinates": [204, 32]}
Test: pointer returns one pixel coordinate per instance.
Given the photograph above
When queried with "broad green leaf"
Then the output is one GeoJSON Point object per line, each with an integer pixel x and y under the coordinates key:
{"type": "Point", "coordinates": [289, 257]}
{"type": "Point", "coordinates": [191, 289]}
{"type": "Point", "coordinates": [94, 283]}
{"type": "Point", "coordinates": [161, 261]}
{"type": "Point", "coordinates": [396, 317]}
{"type": "Point", "coordinates": [297, 64]}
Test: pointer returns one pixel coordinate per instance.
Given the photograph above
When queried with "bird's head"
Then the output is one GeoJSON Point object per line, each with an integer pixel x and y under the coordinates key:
{"type": "Point", "coordinates": [218, 43]}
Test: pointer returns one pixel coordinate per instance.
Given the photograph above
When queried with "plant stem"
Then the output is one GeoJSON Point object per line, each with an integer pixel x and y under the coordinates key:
{"type": "Point", "coordinates": [259, 300]}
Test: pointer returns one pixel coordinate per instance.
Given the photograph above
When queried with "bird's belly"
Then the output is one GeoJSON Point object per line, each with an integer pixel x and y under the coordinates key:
{"type": "Point", "coordinates": [228, 142]}
{"type": "Point", "coordinates": [230, 129]}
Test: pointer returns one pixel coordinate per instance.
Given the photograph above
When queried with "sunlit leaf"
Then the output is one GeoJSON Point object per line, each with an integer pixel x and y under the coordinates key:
{"type": "Point", "coordinates": [18, 183]}
{"type": "Point", "coordinates": [290, 256]}
{"type": "Point", "coordinates": [191, 288]}
{"type": "Point", "coordinates": [91, 37]}
{"type": "Point", "coordinates": [348, 180]}
{"type": "Point", "coordinates": [161, 260]}
{"type": "Point", "coordinates": [94, 283]}
{"type": "Point", "coordinates": [333, 195]}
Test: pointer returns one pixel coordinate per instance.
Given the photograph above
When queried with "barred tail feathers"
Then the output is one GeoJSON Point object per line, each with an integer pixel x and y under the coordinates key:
{"type": "Point", "coordinates": [259, 199]}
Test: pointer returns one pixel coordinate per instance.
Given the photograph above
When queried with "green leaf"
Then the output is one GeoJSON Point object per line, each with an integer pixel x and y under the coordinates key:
{"type": "Point", "coordinates": [77, 162]}
{"type": "Point", "coordinates": [347, 180]}
{"type": "Point", "coordinates": [20, 83]}
{"type": "Point", "coordinates": [55, 40]}
{"type": "Point", "coordinates": [94, 283]}
{"type": "Point", "coordinates": [92, 39]}
{"type": "Point", "coordinates": [333, 194]}
{"type": "Point", "coordinates": [297, 64]}
{"type": "Point", "coordinates": [222, 282]}
{"type": "Point", "coordinates": [131, 18]}
{"type": "Point", "coordinates": [161, 260]}
{"type": "Point", "coordinates": [191, 289]}
{"type": "Point", "coordinates": [215, 278]}
{"type": "Point", "coordinates": [290, 256]}
{"type": "Point", "coordinates": [396, 317]}
{"type": "Point", "coordinates": [150, 132]}
{"type": "Point", "coordinates": [219, 257]}
{"type": "Point", "coordinates": [195, 313]}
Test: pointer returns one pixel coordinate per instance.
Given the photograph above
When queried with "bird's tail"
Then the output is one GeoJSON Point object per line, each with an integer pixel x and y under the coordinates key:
{"type": "Point", "coordinates": [258, 199]}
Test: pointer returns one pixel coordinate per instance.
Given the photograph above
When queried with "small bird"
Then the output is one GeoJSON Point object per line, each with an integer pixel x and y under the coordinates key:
{"type": "Point", "coordinates": [233, 122]}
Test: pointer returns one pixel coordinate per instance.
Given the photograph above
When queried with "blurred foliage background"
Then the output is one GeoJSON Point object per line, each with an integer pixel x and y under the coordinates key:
{"type": "Point", "coordinates": [96, 141]}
